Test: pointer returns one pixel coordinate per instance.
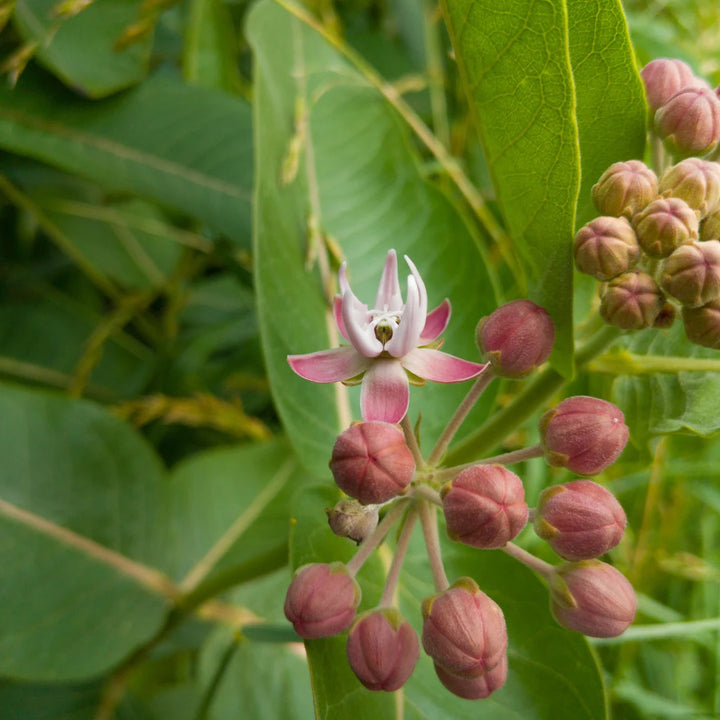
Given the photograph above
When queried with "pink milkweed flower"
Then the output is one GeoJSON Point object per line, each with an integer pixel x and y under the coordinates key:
{"type": "Point", "coordinates": [387, 342]}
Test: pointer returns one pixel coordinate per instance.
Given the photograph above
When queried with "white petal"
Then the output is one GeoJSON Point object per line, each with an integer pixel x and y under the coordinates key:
{"type": "Point", "coordinates": [388, 294]}
{"type": "Point", "coordinates": [357, 326]}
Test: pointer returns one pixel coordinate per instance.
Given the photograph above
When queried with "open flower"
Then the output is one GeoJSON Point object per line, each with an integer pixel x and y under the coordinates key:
{"type": "Point", "coordinates": [387, 342]}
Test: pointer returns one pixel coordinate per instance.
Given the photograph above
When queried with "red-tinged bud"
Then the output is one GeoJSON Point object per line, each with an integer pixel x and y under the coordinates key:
{"type": "Point", "coordinates": [371, 462]}
{"type": "Point", "coordinates": [663, 78]}
{"type": "Point", "coordinates": [710, 227]}
{"type": "Point", "coordinates": [464, 630]}
{"type": "Point", "coordinates": [631, 301]}
{"type": "Point", "coordinates": [382, 649]}
{"type": "Point", "coordinates": [477, 688]}
{"type": "Point", "coordinates": [592, 598]}
{"type": "Point", "coordinates": [583, 434]}
{"type": "Point", "coordinates": [516, 338]}
{"type": "Point", "coordinates": [695, 181]}
{"type": "Point", "coordinates": [580, 519]}
{"type": "Point", "coordinates": [485, 506]}
{"type": "Point", "coordinates": [689, 122]}
{"type": "Point", "coordinates": [692, 273]}
{"type": "Point", "coordinates": [606, 247]}
{"type": "Point", "coordinates": [702, 325]}
{"type": "Point", "coordinates": [350, 519]}
{"type": "Point", "coordinates": [625, 188]}
{"type": "Point", "coordinates": [321, 600]}
{"type": "Point", "coordinates": [665, 224]}
{"type": "Point", "coordinates": [666, 317]}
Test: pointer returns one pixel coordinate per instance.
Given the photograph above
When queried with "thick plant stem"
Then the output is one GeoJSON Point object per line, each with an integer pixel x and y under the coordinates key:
{"type": "Point", "coordinates": [400, 551]}
{"type": "Point", "coordinates": [534, 563]}
{"type": "Point", "coordinates": [460, 414]}
{"type": "Point", "coordinates": [411, 441]}
{"type": "Point", "coordinates": [428, 519]}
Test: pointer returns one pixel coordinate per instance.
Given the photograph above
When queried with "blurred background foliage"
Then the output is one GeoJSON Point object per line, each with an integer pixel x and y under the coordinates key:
{"type": "Point", "coordinates": [127, 278]}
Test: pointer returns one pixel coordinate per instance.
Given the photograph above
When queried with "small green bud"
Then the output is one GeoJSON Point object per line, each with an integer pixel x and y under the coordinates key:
{"type": "Point", "coordinates": [695, 181]}
{"type": "Point", "coordinates": [702, 325]}
{"type": "Point", "coordinates": [692, 273]}
{"type": "Point", "coordinates": [665, 224]}
{"type": "Point", "coordinates": [625, 188]}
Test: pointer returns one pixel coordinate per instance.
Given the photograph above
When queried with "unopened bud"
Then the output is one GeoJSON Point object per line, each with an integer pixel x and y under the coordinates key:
{"type": "Point", "coordinates": [580, 519]}
{"type": "Point", "coordinates": [464, 630]}
{"type": "Point", "coordinates": [583, 434]}
{"type": "Point", "coordinates": [606, 247]}
{"type": "Point", "coordinates": [631, 301]}
{"type": "Point", "coordinates": [382, 649]}
{"type": "Point", "coordinates": [665, 224]}
{"type": "Point", "coordinates": [350, 519]}
{"type": "Point", "coordinates": [484, 506]}
{"type": "Point", "coordinates": [625, 188]}
{"type": "Point", "coordinates": [592, 598]}
{"type": "Point", "coordinates": [663, 78]}
{"type": "Point", "coordinates": [689, 122]}
{"type": "Point", "coordinates": [702, 325]}
{"type": "Point", "coordinates": [710, 227]}
{"type": "Point", "coordinates": [371, 462]}
{"type": "Point", "coordinates": [516, 338]}
{"type": "Point", "coordinates": [476, 688]}
{"type": "Point", "coordinates": [322, 600]}
{"type": "Point", "coordinates": [695, 181]}
{"type": "Point", "coordinates": [692, 273]}
{"type": "Point", "coordinates": [666, 317]}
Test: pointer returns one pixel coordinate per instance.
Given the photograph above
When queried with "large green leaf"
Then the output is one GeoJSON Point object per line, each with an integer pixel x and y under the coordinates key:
{"type": "Point", "coordinates": [81, 49]}
{"type": "Point", "coordinates": [515, 63]}
{"type": "Point", "coordinates": [189, 148]}
{"type": "Point", "coordinates": [358, 180]}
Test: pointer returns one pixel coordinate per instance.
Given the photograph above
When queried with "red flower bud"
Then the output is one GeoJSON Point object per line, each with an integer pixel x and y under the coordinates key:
{"type": "Point", "coordinates": [382, 649]}
{"type": "Point", "coordinates": [583, 434]}
{"type": "Point", "coordinates": [580, 519]}
{"type": "Point", "coordinates": [516, 338]}
{"type": "Point", "coordinates": [476, 688]}
{"type": "Point", "coordinates": [665, 224]}
{"type": "Point", "coordinates": [321, 600]}
{"type": "Point", "coordinates": [606, 247]}
{"type": "Point", "coordinates": [592, 598]}
{"type": "Point", "coordinates": [663, 78]}
{"type": "Point", "coordinates": [631, 301]}
{"type": "Point", "coordinates": [695, 181]}
{"type": "Point", "coordinates": [625, 188]}
{"type": "Point", "coordinates": [702, 325]}
{"type": "Point", "coordinates": [371, 462]}
{"type": "Point", "coordinates": [689, 122]}
{"type": "Point", "coordinates": [485, 506]}
{"type": "Point", "coordinates": [464, 630]}
{"type": "Point", "coordinates": [692, 273]}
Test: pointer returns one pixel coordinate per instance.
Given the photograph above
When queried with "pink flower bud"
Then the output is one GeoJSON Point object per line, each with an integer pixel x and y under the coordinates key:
{"type": "Point", "coordinates": [689, 122]}
{"type": "Point", "coordinates": [584, 434]}
{"type": "Point", "coordinates": [516, 338]}
{"type": "Point", "coordinates": [321, 600]}
{"type": "Point", "coordinates": [580, 519]}
{"type": "Point", "coordinates": [476, 688]}
{"type": "Point", "coordinates": [485, 506]}
{"type": "Point", "coordinates": [702, 325]}
{"type": "Point", "coordinates": [692, 273]}
{"type": "Point", "coordinates": [665, 224]}
{"type": "Point", "coordinates": [625, 188]}
{"type": "Point", "coordinates": [606, 247]}
{"type": "Point", "coordinates": [464, 630]}
{"type": "Point", "coordinates": [350, 519]}
{"type": "Point", "coordinates": [631, 301]}
{"type": "Point", "coordinates": [592, 598]}
{"type": "Point", "coordinates": [371, 462]}
{"type": "Point", "coordinates": [382, 649]}
{"type": "Point", "coordinates": [663, 78]}
{"type": "Point", "coordinates": [695, 181]}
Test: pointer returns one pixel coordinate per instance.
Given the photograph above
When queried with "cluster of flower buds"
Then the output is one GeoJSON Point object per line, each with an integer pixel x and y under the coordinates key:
{"type": "Point", "coordinates": [377, 462]}
{"type": "Point", "coordinates": [656, 244]}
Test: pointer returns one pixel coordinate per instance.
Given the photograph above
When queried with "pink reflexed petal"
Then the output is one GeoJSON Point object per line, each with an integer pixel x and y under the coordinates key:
{"type": "Point", "coordinates": [440, 367]}
{"type": "Point", "coordinates": [337, 312]}
{"type": "Point", "coordinates": [385, 393]}
{"type": "Point", "coordinates": [422, 292]}
{"type": "Point", "coordinates": [406, 335]}
{"type": "Point", "coordinates": [357, 326]}
{"type": "Point", "coordinates": [329, 366]}
{"type": "Point", "coordinates": [435, 323]}
{"type": "Point", "coordinates": [388, 294]}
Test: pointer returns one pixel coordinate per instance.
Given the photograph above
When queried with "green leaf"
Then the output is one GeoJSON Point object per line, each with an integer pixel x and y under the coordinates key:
{"type": "Point", "coordinates": [351, 177]}
{"type": "Point", "coordinates": [79, 491]}
{"type": "Point", "coordinates": [611, 110]}
{"type": "Point", "coordinates": [514, 59]}
{"type": "Point", "coordinates": [81, 50]}
{"type": "Point", "coordinates": [186, 147]}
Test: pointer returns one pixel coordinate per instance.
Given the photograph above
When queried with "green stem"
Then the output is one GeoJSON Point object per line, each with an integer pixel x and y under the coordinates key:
{"type": "Point", "coordinates": [534, 563]}
{"type": "Point", "coordinates": [625, 363]}
{"type": "Point", "coordinates": [411, 441]}
{"type": "Point", "coordinates": [209, 694]}
{"type": "Point", "coordinates": [400, 551]}
{"type": "Point", "coordinates": [660, 631]}
{"type": "Point", "coordinates": [428, 519]}
{"type": "Point", "coordinates": [507, 458]}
